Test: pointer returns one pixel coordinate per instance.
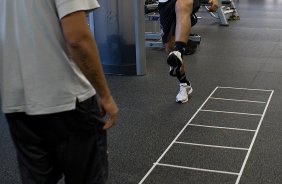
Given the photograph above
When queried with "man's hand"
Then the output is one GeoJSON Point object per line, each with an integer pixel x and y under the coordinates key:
{"type": "Point", "coordinates": [214, 5]}
{"type": "Point", "coordinates": [109, 109]}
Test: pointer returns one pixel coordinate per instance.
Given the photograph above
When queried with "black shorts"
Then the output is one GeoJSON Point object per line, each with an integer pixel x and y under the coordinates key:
{"type": "Point", "coordinates": [70, 143]}
{"type": "Point", "coordinates": [168, 17]}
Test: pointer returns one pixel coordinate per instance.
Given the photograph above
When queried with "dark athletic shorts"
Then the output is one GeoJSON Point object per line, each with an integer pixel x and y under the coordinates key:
{"type": "Point", "coordinates": [70, 143]}
{"type": "Point", "coordinates": [168, 18]}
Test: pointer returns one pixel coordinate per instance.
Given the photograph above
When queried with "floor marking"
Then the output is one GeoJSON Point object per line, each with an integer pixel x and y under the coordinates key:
{"type": "Point", "coordinates": [187, 124]}
{"type": "Point", "coordinates": [227, 112]}
{"type": "Point", "coordinates": [254, 138]}
{"type": "Point", "coordinates": [143, 179]}
{"type": "Point", "coordinates": [213, 146]}
{"type": "Point", "coordinates": [196, 169]}
{"type": "Point", "coordinates": [227, 128]}
{"type": "Point", "coordinates": [251, 101]}
{"type": "Point", "coordinates": [247, 89]}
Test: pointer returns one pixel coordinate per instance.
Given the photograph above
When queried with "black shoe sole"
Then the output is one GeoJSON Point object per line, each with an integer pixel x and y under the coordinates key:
{"type": "Point", "coordinates": [174, 62]}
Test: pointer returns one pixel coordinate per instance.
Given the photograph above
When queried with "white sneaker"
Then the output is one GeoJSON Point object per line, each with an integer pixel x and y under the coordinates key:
{"type": "Point", "coordinates": [183, 93]}
{"type": "Point", "coordinates": [174, 60]}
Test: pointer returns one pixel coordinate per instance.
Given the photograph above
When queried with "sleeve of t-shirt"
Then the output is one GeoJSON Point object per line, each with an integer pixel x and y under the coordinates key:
{"type": "Point", "coordinates": [65, 7]}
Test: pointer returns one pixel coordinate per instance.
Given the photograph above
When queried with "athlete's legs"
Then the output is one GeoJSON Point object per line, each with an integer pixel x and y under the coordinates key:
{"type": "Point", "coordinates": [176, 45]}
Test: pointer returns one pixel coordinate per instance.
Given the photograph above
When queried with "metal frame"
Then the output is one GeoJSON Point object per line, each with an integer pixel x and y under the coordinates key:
{"type": "Point", "coordinates": [139, 25]}
{"type": "Point", "coordinates": [226, 11]}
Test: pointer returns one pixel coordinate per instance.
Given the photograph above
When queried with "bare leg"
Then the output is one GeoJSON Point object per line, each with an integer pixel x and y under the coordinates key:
{"type": "Point", "coordinates": [183, 10]}
{"type": "Point", "coordinates": [169, 46]}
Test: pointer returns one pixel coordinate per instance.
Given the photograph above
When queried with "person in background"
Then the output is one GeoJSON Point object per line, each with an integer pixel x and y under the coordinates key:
{"type": "Point", "coordinates": [53, 91]}
{"type": "Point", "coordinates": [175, 20]}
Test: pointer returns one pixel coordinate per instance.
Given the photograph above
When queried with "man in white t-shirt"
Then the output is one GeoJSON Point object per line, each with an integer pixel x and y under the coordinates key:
{"type": "Point", "coordinates": [175, 19]}
{"type": "Point", "coordinates": [53, 91]}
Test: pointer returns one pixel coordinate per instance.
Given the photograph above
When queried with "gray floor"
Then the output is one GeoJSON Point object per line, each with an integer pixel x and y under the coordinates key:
{"type": "Point", "coordinates": [247, 54]}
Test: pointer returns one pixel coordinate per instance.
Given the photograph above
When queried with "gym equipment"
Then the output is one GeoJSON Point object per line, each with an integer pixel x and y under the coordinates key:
{"type": "Point", "coordinates": [192, 44]}
{"type": "Point", "coordinates": [226, 12]}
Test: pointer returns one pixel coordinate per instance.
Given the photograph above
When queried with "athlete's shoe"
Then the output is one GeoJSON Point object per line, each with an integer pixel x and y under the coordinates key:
{"type": "Point", "coordinates": [183, 93]}
{"type": "Point", "coordinates": [174, 60]}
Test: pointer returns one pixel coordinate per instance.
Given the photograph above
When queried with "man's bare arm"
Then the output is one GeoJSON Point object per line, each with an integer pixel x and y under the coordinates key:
{"type": "Point", "coordinates": [214, 5]}
{"type": "Point", "coordinates": [84, 52]}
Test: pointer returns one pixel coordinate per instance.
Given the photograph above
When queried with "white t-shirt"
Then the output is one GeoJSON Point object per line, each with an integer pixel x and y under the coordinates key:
{"type": "Point", "coordinates": [163, 1]}
{"type": "Point", "coordinates": [36, 74]}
